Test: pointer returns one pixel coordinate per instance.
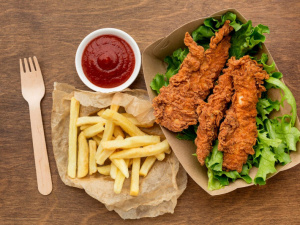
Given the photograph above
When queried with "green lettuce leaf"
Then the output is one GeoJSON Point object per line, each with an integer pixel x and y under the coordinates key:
{"type": "Point", "coordinates": [246, 38]}
{"type": "Point", "coordinates": [213, 183]}
{"type": "Point", "coordinates": [188, 134]}
{"type": "Point", "coordinates": [174, 63]}
{"type": "Point", "coordinates": [274, 131]}
{"type": "Point", "coordinates": [262, 137]}
{"type": "Point", "coordinates": [290, 133]}
{"type": "Point", "coordinates": [265, 106]}
{"type": "Point", "coordinates": [288, 96]}
{"type": "Point", "coordinates": [263, 60]}
{"type": "Point", "coordinates": [203, 33]}
{"type": "Point", "coordinates": [158, 82]}
{"type": "Point", "coordinates": [266, 165]}
{"type": "Point", "coordinates": [217, 178]}
{"type": "Point", "coordinates": [216, 159]}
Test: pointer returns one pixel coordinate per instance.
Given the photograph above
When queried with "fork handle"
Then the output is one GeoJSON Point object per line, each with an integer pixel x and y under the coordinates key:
{"type": "Point", "coordinates": [40, 151]}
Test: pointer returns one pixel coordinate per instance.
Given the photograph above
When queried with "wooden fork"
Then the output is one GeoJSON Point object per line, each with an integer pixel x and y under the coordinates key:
{"type": "Point", "coordinates": [33, 90]}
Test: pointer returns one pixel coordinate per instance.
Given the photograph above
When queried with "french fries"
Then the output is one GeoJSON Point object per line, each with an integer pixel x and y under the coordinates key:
{"type": "Point", "coordinates": [119, 180]}
{"type": "Point", "coordinates": [148, 163]}
{"type": "Point", "coordinates": [105, 154]}
{"type": "Point", "coordinates": [97, 139]}
{"type": "Point", "coordinates": [93, 130]}
{"type": "Point", "coordinates": [160, 156]}
{"type": "Point", "coordinates": [132, 119]}
{"type": "Point", "coordinates": [123, 122]}
{"type": "Point", "coordinates": [72, 152]}
{"type": "Point", "coordinates": [113, 171]}
{"type": "Point", "coordinates": [118, 132]}
{"type": "Point", "coordinates": [86, 120]}
{"type": "Point", "coordinates": [122, 166]}
{"type": "Point", "coordinates": [92, 160]}
{"type": "Point", "coordinates": [149, 150]}
{"type": "Point", "coordinates": [135, 176]}
{"type": "Point", "coordinates": [107, 134]}
{"type": "Point", "coordinates": [100, 112]}
{"type": "Point", "coordinates": [83, 127]}
{"type": "Point", "coordinates": [114, 107]}
{"type": "Point", "coordinates": [83, 156]}
{"type": "Point", "coordinates": [105, 170]}
{"type": "Point", "coordinates": [132, 142]}
{"type": "Point", "coordinates": [112, 144]}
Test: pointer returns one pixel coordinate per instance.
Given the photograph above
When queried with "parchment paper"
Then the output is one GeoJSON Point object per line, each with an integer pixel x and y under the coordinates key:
{"type": "Point", "coordinates": [152, 61]}
{"type": "Point", "coordinates": [159, 190]}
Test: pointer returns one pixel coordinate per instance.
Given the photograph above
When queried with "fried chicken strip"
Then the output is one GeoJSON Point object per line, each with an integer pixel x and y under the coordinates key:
{"type": "Point", "coordinates": [175, 107]}
{"type": "Point", "coordinates": [211, 114]}
{"type": "Point", "coordinates": [238, 132]}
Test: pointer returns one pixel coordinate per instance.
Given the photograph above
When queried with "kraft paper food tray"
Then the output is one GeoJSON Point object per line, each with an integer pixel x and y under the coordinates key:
{"type": "Point", "coordinates": [152, 61]}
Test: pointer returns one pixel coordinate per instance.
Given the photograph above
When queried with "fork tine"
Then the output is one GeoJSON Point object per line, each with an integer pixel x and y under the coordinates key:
{"type": "Point", "coordinates": [26, 66]}
{"type": "Point", "coordinates": [36, 63]}
{"type": "Point", "coordinates": [21, 67]}
{"type": "Point", "coordinates": [31, 64]}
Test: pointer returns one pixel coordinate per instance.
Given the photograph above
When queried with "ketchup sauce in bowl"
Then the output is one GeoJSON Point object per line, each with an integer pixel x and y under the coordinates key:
{"type": "Point", "coordinates": [108, 60]}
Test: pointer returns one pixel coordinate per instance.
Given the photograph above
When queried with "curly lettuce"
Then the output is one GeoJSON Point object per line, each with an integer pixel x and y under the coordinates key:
{"type": "Point", "coordinates": [217, 178]}
{"type": "Point", "coordinates": [247, 39]}
{"type": "Point", "coordinates": [174, 61]}
{"type": "Point", "coordinates": [277, 136]}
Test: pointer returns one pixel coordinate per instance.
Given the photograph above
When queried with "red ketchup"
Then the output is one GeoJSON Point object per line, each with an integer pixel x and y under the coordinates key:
{"type": "Point", "coordinates": [108, 61]}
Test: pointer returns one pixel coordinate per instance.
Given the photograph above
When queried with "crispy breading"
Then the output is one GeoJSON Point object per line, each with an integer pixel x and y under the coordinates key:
{"type": "Point", "coordinates": [238, 132]}
{"type": "Point", "coordinates": [175, 106]}
{"type": "Point", "coordinates": [211, 114]}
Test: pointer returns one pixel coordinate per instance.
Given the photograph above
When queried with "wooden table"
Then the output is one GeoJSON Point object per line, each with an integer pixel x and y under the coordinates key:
{"type": "Point", "coordinates": [52, 31]}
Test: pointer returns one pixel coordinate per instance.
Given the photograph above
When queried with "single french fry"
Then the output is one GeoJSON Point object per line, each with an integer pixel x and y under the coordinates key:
{"type": "Point", "coordinates": [122, 166]}
{"type": "Point", "coordinates": [168, 151]}
{"type": "Point", "coordinates": [100, 112]}
{"type": "Point", "coordinates": [88, 120]}
{"type": "Point", "coordinates": [160, 156]}
{"type": "Point", "coordinates": [105, 154]}
{"type": "Point", "coordinates": [72, 152]}
{"type": "Point", "coordinates": [134, 185]}
{"type": "Point", "coordinates": [100, 135]}
{"type": "Point", "coordinates": [118, 132]}
{"type": "Point", "coordinates": [119, 180]}
{"type": "Point", "coordinates": [113, 171]}
{"type": "Point", "coordinates": [97, 139]}
{"type": "Point", "coordinates": [93, 130]}
{"type": "Point", "coordinates": [148, 163]}
{"type": "Point", "coordinates": [123, 122]}
{"type": "Point", "coordinates": [105, 170]}
{"type": "Point", "coordinates": [114, 107]}
{"type": "Point", "coordinates": [149, 150]}
{"type": "Point", "coordinates": [92, 161]}
{"type": "Point", "coordinates": [83, 127]}
{"type": "Point", "coordinates": [83, 156]}
{"type": "Point", "coordinates": [107, 135]}
{"type": "Point", "coordinates": [136, 122]}
{"type": "Point", "coordinates": [131, 142]}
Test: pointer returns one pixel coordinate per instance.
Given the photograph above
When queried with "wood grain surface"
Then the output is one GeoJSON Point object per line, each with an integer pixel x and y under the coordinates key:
{"type": "Point", "coordinates": [52, 30]}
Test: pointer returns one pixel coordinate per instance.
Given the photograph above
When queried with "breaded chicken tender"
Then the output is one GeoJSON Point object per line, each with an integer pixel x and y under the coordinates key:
{"type": "Point", "coordinates": [175, 107]}
{"type": "Point", "coordinates": [238, 132]}
{"type": "Point", "coordinates": [212, 112]}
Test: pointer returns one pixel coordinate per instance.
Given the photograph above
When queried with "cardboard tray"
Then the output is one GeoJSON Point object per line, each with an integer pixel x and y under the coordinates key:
{"type": "Point", "coordinates": [152, 61]}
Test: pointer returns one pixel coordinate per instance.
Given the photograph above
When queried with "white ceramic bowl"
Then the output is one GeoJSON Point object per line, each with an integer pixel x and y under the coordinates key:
{"type": "Point", "coordinates": [120, 34]}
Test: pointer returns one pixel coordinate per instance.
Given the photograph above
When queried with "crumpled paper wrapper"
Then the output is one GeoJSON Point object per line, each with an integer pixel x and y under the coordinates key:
{"type": "Point", "coordinates": [163, 185]}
